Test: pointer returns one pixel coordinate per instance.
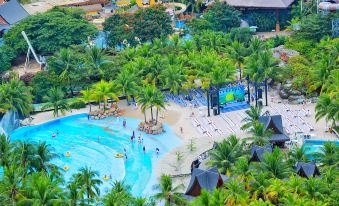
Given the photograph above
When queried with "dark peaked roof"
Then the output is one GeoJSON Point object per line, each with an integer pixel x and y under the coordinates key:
{"type": "Point", "coordinates": [274, 123]}
{"type": "Point", "coordinates": [257, 152]}
{"type": "Point", "coordinates": [204, 179]}
{"type": "Point", "coordinates": [278, 4]}
{"type": "Point", "coordinates": [13, 12]}
{"type": "Point", "coordinates": [307, 169]}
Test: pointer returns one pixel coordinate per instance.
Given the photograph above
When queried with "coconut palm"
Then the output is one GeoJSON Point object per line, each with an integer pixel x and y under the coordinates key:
{"type": "Point", "coordinates": [56, 100]}
{"type": "Point", "coordinates": [327, 108]}
{"type": "Point", "coordinates": [16, 96]}
{"type": "Point", "coordinates": [5, 151]}
{"type": "Point", "coordinates": [150, 97]}
{"type": "Point", "coordinates": [96, 59]}
{"type": "Point", "coordinates": [126, 83]}
{"type": "Point", "coordinates": [10, 185]}
{"type": "Point", "coordinates": [167, 192]}
{"type": "Point", "coordinates": [235, 193]}
{"type": "Point", "coordinates": [244, 171]}
{"type": "Point", "coordinates": [225, 153]}
{"type": "Point", "coordinates": [314, 188]}
{"type": "Point", "coordinates": [256, 46]}
{"type": "Point", "coordinates": [41, 191]}
{"type": "Point", "coordinates": [252, 115]}
{"type": "Point", "coordinates": [173, 77]}
{"type": "Point", "coordinates": [223, 73]}
{"type": "Point", "coordinates": [295, 185]}
{"type": "Point", "coordinates": [119, 195]}
{"type": "Point", "coordinates": [259, 184]}
{"type": "Point", "coordinates": [205, 199]}
{"type": "Point", "coordinates": [25, 154]}
{"type": "Point", "coordinates": [237, 52]}
{"type": "Point", "coordinates": [274, 164]}
{"type": "Point", "coordinates": [73, 193]}
{"type": "Point", "coordinates": [297, 154]}
{"type": "Point", "coordinates": [328, 154]}
{"type": "Point", "coordinates": [88, 180]}
{"type": "Point", "coordinates": [260, 135]}
{"type": "Point", "coordinates": [44, 153]}
{"type": "Point", "coordinates": [102, 91]}
{"type": "Point", "coordinates": [87, 96]}
{"type": "Point", "coordinates": [275, 191]}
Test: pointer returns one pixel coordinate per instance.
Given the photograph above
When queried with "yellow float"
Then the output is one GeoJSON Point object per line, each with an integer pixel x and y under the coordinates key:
{"type": "Point", "coordinates": [68, 154]}
{"type": "Point", "coordinates": [106, 177]}
{"type": "Point", "coordinates": [66, 168]}
{"type": "Point", "coordinates": [119, 155]}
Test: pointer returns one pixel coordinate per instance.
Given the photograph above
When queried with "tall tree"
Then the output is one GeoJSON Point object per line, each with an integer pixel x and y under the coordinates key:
{"type": "Point", "coordinates": [16, 96]}
{"type": "Point", "coordinates": [237, 52]}
{"type": "Point", "coordinates": [167, 192]}
{"type": "Point", "coordinates": [56, 100]}
{"type": "Point", "coordinates": [88, 180]}
{"type": "Point", "coordinates": [126, 83]}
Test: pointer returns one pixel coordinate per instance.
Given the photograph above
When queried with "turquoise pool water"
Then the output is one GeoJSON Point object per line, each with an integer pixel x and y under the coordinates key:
{"type": "Point", "coordinates": [79, 136]}
{"type": "Point", "coordinates": [314, 146]}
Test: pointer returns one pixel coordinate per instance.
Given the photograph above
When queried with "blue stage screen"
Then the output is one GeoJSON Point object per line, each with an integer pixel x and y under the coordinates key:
{"type": "Point", "coordinates": [231, 94]}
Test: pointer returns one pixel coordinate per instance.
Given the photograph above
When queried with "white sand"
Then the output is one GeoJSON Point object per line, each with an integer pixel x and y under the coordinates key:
{"type": "Point", "coordinates": [41, 6]}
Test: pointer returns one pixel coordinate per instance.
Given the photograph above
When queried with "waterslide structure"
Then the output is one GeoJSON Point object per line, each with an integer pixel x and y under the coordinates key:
{"type": "Point", "coordinates": [329, 6]}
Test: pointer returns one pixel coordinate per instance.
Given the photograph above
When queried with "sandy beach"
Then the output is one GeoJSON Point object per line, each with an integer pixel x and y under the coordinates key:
{"type": "Point", "coordinates": [177, 116]}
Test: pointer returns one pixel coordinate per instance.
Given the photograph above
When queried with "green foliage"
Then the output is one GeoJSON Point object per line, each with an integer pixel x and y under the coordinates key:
{"type": "Point", "coordinates": [146, 24]}
{"type": "Point", "coordinates": [77, 104]}
{"type": "Point", "coordinates": [218, 17]}
{"type": "Point", "coordinates": [265, 20]}
{"type": "Point", "coordinates": [50, 31]}
{"type": "Point", "coordinates": [41, 83]}
{"type": "Point", "coordinates": [15, 96]}
{"type": "Point", "coordinates": [55, 99]}
{"type": "Point", "coordinates": [7, 55]}
{"type": "Point", "coordinates": [242, 35]}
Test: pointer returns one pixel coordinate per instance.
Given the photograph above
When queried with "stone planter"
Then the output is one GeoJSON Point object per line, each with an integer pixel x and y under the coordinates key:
{"type": "Point", "coordinates": [150, 128]}
{"type": "Point", "coordinates": [101, 114]}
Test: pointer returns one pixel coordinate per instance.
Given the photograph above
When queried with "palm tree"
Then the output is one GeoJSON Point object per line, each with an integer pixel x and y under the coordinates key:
{"type": "Point", "coordinates": [159, 103]}
{"type": "Point", "coordinates": [204, 199]}
{"type": "Point", "coordinates": [96, 59]}
{"type": "Point", "coordinates": [168, 192]}
{"type": "Point", "coordinates": [327, 108]}
{"type": "Point", "coordinates": [126, 83]}
{"type": "Point", "coordinates": [16, 96]}
{"type": "Point", "coordinates": [25, 153]}
{"type": "Point", "coordinates": [314, 188]}
{"type": "Point", "coordinates": [87, 96]}
{"type": "Point", "coordinates": [237, 52]}
{"type": "Point", "coordinates": [41, 191]}
{"type": "Point", "coordinates": [120, 195]}
{"type": "Point", "coordinates": [225, 154]}
{"type": "Point", "coordinates": [295, 184]}
{"type": "Point", "coordinates": [88, 179]}
{"type": "Point", "coordinates": [11, 182]}
{"type": "Point", "coordinates": [275, 191]}
{"type": "Point", "coordinates": [259, 184]}
{"type": "Point", "coordinates": [223, 73]}
{"type": "Point", "coordinates": [5, 149]}
{"type": "Point", "coordinates": [297, 154]}
{"type": "Point", "coordinates": [150, 97]}
{"type": "Point", "coordinates": [43, 155]}
{"type": "Point", "coordinates": [73, 193]}
{"type": "Point", "coordinates": [65, 66]}
{"type": "Point", "coordinates": [260, 135]}
{"type": "Point", "coordinates": [244, 171]}
{"type": "Point", "coordinates": [173, 77]}
{"type": "Point", "coordinates": [236, 193]}
{"type": "Point", "coordinates": [256, 46]}
{"type": "Point", "coordinates": [55, 99]}
{"type": "Point", "coordinates": [328, 154]}
{"type": "Point", "coordinates": [252, 116]}
{"type": "Point", "coordinates": [274, 164]}
{"type": "Point", "coordinates": [102, 91]}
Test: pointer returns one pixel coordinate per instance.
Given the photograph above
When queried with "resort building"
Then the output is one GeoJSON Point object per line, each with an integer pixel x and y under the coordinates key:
{"type": "Point", "coordinates": [11, 12]}
{"type": "Point", "coordinates": [204, 179]}
{"type": "Point", "coordinates": [278, 6]}
{"type": "Point", "coordinates": [307, 170]}
{"type": "Point", "coordinates": [257, 152]}
{"type": "Point", "coordinates": [275, 124]}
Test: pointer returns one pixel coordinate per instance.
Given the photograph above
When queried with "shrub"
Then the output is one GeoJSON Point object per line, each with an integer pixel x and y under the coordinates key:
{"type": "Point", "coordinates": [7, 55]}
{"type": "Point", "coordinates": [41, 83]}
{"type": "Point", "coordinates": [78, 104]}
